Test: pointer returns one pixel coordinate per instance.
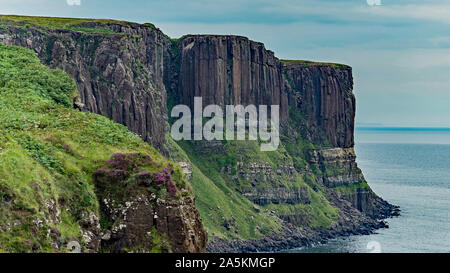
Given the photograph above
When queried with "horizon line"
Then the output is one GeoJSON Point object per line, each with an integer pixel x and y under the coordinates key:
{"type": "Point", "coordinates": [400, 128]}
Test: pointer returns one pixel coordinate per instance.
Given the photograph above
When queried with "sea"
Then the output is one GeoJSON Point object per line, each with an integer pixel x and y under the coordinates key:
{"type": "Point", "coordinates": [409, 167]}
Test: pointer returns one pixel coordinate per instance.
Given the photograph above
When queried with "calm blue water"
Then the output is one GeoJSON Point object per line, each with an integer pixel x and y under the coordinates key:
{"type": "Point", "coordinates": [409, 168]}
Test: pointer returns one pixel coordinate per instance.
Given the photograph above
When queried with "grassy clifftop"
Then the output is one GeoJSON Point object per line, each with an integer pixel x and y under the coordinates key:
{"type": "Point", "coordinates": [311, 63]}
{"type": "Point", "coordinates": [49, 153]}
{"type": "Point", "coordinates": [72, 24]}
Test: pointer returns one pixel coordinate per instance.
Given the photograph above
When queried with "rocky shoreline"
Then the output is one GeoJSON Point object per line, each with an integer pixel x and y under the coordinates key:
{"type": "Point", "coordinates": [350, 223]}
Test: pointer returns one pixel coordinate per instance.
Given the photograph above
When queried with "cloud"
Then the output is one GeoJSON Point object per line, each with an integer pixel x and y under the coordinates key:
{"type": "Point", "coordinates": [374, 2]}
{"type": "Point", "coordinates": [430, 12]}
{"type": "Point", "coordinates": [424, 59]}
{"type": "Point", "coordinates": [74, 2]}
{"type": "Point", "coordinates": [440, 41]}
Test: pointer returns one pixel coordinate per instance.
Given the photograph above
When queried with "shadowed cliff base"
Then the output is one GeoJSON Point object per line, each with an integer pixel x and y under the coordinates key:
{"type": "Point", "coordinates": [307, 191]}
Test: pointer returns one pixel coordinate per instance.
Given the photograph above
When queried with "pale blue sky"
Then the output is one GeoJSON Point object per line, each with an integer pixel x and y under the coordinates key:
{"type": "Point", "coordinates": [400, 51]}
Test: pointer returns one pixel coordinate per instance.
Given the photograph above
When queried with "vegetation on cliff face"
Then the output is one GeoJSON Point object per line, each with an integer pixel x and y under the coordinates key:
{"type": "Point", "coordinates": [242, 192]}
{"type": "Point", "coordinates": [112, 63]}
{"type": "Point", "coordinates": [225, 213]}
{"type": "Point", "coordinates": [221, 184]}
{"type": "Point", "coordinates": [49, 153]}
{"type": "Point", "coordinates": [285, 186]}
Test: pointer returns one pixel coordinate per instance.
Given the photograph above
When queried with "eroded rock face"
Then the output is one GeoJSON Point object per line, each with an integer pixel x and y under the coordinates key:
{"type": "Point", "coordinates": [340, 170]}
{"type": "Point", "coordinates": [366, 201]}
{"type": "Point", "coordinates": [138, 221]}
{"type": "Point", "coordinates": [187, 169]}
{"type": "Point", "coordinates": [338, 166]}
{"type": "Point", "coordinates": [317, 97]}
{"type": "Point", "coordinates": [180, 220]}
{"type": "Point", "coordinates": [323, 94]}
{"type": "Point", "coordinates": [119, 76]}
{"type": "Point", "coordinates": [278, 196]}
{"type": "Point", "coordinates": [144, 211]}
{"type": "Point", "coordinates": [227, 70]}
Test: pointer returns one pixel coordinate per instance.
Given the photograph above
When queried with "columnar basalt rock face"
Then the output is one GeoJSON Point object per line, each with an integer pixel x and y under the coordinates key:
{"type": "Point", "coordinates": [228, 70]}
{"type": "Point", "coordinates": [119, 75]}
{"type": "Point", "coordinates": [323, 94]}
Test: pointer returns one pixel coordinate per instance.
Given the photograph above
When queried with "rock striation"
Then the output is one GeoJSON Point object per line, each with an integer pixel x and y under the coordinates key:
{"type": "Point", "coordinates": [278, 196]}
{"type": "Point", "coordinates": [338, 166]}
{"type": "Point", "coordinates": [322, 93]}
{"type": "Point", "coordinates": [227, 70]}
{"type": "Point", "coordinates": [133, 72]}
{"type": "Point", "coordinates": [119, 75]}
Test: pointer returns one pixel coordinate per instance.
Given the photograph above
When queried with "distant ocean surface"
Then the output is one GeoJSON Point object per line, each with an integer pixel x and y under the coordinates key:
{"type": "Point", "coordinates": [409, 167]}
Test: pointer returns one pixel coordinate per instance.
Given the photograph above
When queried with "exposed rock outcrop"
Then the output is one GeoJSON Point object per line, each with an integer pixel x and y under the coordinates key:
{"type": "Point", "coordinates": [145, 211]}
{"type": "Point", "coordinates": [187, 169]}
{"type": "Point", "coordinates": [322, 93]}
{"type": "Point", "coordinates": [138, 221]}
{"type": "Point", "coordinates": [227, 70]}
{"type": "Point", "coordinates": [338, 166]}
{"type": "Point", "coordinates": [119, 75]}
{"type": "Point", "coordinates": [278, 196]}
{"type": "Point", "coordinates": [366, 201]}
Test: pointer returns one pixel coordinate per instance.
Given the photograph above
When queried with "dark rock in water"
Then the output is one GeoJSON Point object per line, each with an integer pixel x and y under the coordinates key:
{"type": "Point", "coordinates": [383, 224]}
{"type": "Point", "coordinates": [395, 211]}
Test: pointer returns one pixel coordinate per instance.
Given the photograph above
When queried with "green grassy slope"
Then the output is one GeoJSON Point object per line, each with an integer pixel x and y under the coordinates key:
{"type": "Point", "coordinates": [219, 194]}
{"type": "Point", "coordinates": [49, 152]}
{"type": "Point", "coordinates": [219, 204]}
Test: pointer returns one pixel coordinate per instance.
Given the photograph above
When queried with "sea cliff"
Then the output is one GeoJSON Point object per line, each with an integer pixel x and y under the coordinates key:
{"type": "Point", "coordinates": [307, 191]}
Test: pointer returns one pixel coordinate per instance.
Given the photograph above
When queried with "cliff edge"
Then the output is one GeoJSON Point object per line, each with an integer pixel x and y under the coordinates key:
{"type": "Point", "coordinates": [309, 190]}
